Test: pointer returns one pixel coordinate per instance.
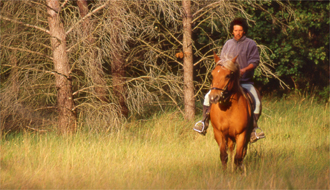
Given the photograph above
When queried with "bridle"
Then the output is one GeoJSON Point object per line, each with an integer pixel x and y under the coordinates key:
{"type": "Point", "coordinates": [225, 94]}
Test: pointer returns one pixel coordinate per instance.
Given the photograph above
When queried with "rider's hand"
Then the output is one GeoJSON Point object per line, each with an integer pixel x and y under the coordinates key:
{"type": "Point", "coordinates": [243, 71]}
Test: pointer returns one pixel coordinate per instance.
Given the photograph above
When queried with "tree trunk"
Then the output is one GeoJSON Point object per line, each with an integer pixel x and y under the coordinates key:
{"type": "Point", "coordinates": [189, 99]}
{"type": "Point", "coordinates": [65, 104]}
{"type": "Point", "coordinates": [13, 77]}
{"type": "Point", "coordinates": [94, 67]}
{"type": "Point", "coordinates": [118, 68]}
{"type": "Point", "coordinates": [118, 80]}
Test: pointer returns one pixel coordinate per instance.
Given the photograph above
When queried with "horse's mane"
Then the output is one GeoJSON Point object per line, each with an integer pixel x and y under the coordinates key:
{"type": "Point", "coordinates": [235, 68]}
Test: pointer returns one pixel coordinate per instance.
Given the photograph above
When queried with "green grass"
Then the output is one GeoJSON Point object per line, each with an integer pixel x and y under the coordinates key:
{"type": "Point", "coordinates": [164, 153]}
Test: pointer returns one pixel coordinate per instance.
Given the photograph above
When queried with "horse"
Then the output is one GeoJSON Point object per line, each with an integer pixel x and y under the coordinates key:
{"type": "Point", "coordinates": [231, 114]}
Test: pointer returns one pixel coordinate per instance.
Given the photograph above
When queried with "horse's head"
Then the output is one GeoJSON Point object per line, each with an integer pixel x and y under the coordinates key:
{"type": "Point", "coordinates": [225, 78]}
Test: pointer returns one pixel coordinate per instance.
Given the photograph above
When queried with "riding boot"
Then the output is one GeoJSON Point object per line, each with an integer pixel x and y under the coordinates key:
{"type": "Point", "coordinates": [201, 126]}
{"type": "Point", "coordinates": [254, 135]}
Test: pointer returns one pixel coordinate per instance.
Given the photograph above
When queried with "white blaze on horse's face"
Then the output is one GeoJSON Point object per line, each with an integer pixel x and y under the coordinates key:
{"type": "Point", "coordinates": [221, 76]}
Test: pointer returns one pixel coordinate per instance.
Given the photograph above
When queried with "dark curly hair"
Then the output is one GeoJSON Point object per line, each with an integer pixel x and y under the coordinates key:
{"type": "Point", "coordinates": [239, 21]}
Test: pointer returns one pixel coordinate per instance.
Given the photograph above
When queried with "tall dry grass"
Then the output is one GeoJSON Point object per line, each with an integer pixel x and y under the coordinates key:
{"type": "Point", "coordinates": [163, 152]}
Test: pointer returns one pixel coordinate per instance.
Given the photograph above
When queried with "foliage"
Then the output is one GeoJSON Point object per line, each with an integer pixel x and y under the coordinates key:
{"type": "Point", "coordinates": [300, 45]}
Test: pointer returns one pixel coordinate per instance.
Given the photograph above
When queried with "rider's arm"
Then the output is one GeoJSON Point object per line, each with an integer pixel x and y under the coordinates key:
{"type": "Point", "coordinates": [249, 67]}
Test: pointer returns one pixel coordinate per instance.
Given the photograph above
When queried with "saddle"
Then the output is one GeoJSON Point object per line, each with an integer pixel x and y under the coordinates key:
{"type": "Point", "coordinates": [251, 99]}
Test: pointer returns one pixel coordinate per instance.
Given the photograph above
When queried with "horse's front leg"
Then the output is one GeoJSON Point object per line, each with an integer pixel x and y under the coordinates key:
{"type": "Point", "coordinates": [231, 146]}
{"type": "Point", "coordinates": [223, 148]}
{"type": "Point", "coordinates": [241, 147]}
{"type": "Point", "coordinates": [223, 154]}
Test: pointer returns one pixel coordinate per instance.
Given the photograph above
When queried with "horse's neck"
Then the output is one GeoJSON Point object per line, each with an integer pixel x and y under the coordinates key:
{"type": "Point", "coordinates": [237, 88]}
{"type": "Point", "coordinates": [237, 91]}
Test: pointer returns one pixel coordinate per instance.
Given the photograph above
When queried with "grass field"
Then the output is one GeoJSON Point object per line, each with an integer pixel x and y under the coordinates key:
{"type": "Point", "coordinates": [164, 152]}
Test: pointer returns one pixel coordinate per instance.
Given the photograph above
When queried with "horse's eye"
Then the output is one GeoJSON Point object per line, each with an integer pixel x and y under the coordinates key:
{"type": "Point", "coordinates": [228, 76]}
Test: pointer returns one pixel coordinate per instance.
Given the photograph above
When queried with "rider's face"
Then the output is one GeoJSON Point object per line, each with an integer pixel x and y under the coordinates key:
{"type": "Point", "coordinates": [238, 32]}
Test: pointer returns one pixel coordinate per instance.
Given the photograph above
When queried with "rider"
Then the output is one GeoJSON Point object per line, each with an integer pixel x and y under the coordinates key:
{"type": "Point", "coordinates": [248, 59]}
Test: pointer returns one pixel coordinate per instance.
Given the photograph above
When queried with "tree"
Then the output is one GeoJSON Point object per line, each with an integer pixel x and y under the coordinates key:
{"type": "Point", "coordinates": [188, 68]}
{"type": "Point", "coordinates": [95, 70]}
{"type": "Point", "coordinates": [67, 116]}
{"type": "Point", "coordinates": [118, 65]}
{"type": "Point", "coordinates": [41, 77]}
{"type": "Point", "coordinates": [19, 45]}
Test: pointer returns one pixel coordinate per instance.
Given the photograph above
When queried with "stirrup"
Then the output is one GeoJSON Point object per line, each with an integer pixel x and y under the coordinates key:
{"type": "Point", "coordinates": [257, 136]}
{"type": "Point", "coordinates": [199, 127]}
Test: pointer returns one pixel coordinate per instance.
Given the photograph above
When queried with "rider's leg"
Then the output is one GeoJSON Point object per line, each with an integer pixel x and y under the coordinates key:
{"type": "Point", "coordinates": [255, 136]}
{"type": "Point", "coordinates": [202, 125]}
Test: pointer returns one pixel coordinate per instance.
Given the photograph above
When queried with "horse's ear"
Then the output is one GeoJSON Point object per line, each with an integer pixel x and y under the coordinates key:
{"type": "Point", "coordinates": [234, 60]}
{"type": "Point", "coordinates": [216, 58]}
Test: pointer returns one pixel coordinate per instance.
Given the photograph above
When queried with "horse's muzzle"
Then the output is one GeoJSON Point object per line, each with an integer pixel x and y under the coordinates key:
{"type": "Point", "coordinates": [222, 97]}
{"type": "Point", "coordinates": [214, 98]}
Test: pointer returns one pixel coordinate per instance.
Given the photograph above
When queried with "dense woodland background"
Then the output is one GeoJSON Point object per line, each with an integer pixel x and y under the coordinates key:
{"type": "Point", "coordinates": [96, 64]}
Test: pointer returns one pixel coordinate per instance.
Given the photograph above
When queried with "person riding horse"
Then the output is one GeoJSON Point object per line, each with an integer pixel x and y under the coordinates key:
{"type": "Point", "coordinates": [248, 59]}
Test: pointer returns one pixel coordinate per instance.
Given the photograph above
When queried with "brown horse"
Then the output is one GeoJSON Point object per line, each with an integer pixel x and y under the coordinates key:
{"type": "Point", "coordinates": [231, 115]}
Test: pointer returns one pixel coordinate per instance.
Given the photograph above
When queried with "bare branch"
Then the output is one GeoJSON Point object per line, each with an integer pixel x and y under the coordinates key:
{"type": "Point", "coordinates": [211, 6]}
{"type": "Point", "coordinates": [44, 108]}
{"type": "Point", "coordinates": [33, 129]}
{"type": "Point", "coordinates": [29, 51]}
{"type": "Point", "coordinates": [88, 15]}
{"type": "Point", "coordinates": [266, 62]}
{"type": "Point", "coordinates": [38, 70]}
{"type": "Point", "coordinates": [159, 51]}
{"type": "Point", "coordinates": [168, 95]}
{"type": "Point", "coordinates": [25, 24]}
{"type": "Point", "coordinates": [64, 3]}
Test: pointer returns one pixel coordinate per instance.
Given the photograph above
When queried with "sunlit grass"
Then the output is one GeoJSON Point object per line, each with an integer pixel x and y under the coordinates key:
{"type": "Point", "coordinates": [164, 152]}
